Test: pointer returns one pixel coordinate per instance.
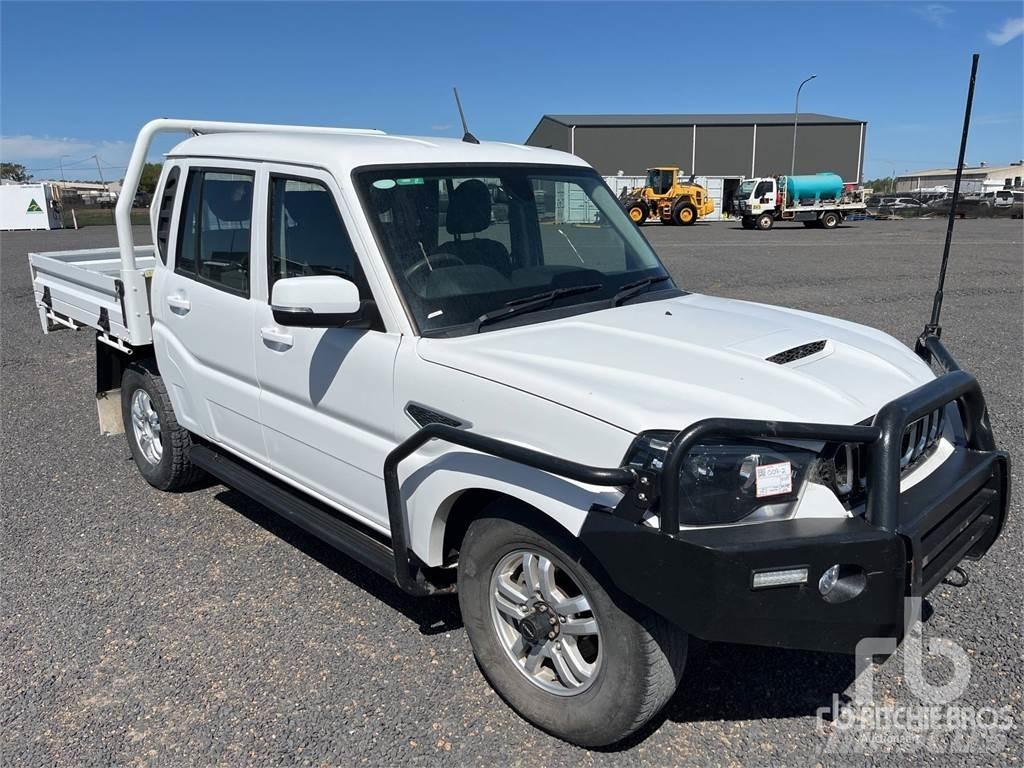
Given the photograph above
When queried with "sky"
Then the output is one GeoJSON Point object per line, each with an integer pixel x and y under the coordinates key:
{"type": "Point", "coordinates": [79, 79]}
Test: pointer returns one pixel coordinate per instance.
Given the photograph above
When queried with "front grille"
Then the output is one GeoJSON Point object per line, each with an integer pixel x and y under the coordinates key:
{"type": "Point", "coordinates": [797, 353]}
{"type": "Point", "coordinates": [846, 471]}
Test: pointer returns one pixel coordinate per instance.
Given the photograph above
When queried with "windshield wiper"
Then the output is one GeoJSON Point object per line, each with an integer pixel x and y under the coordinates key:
{"type": "Point", "coordinates": [534, 302]}
{"type": "Point", "coordinates": [629, 290]}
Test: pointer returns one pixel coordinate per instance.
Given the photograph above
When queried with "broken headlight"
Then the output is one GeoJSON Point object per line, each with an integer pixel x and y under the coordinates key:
{"type": "Point", "coordinates": [730, 481]}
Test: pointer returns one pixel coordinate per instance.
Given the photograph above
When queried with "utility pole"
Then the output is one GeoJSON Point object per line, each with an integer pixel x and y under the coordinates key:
{"type": "Point", "coordinates": [61, 161]}
{"type": "Point", "coordinates": [796, 119]}
{"type": "Point", "coordinates": [100, 172]}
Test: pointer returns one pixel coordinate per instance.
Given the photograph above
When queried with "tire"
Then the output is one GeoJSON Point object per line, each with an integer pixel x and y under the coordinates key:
{"type": "Point", "coordinates": [764, 222]}
{"type": "Point", "coordinates": [160, 447]}
{"type": "Point", "coordinates": [637, 213]}
{"type": "Point", "coordinates": [684, 215]}
{"type": "Point", "coordinates": [636, 663]}
{"type": "Point", "coordinates": [830, 220]}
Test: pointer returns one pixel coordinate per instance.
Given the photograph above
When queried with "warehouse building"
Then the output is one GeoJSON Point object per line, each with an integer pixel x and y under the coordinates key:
{"type": "Point", "coordinates": [976, 178]}
{"type": "Point", "coordinates": [718, 149]}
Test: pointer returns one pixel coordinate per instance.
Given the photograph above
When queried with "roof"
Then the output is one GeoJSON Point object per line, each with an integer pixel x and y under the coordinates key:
{"type": "Point", "coordinates": [344, 152]}
{"type": "Point", "coordinates": [771, 118]}
{"type": "Point", "coordinates": [973, 170]}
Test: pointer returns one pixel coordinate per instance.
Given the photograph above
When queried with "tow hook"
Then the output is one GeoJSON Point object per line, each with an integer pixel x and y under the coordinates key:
{"type": "Point", "coordinates": [961, 580]}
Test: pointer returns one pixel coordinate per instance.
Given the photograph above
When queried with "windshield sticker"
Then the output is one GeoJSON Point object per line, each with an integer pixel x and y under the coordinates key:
{"type": "Point", "coordinates": [384, 183]}
{"type": "Point", "coordinates": [409, 181]}
{"type": "Point", "coordinates": [774, 479]}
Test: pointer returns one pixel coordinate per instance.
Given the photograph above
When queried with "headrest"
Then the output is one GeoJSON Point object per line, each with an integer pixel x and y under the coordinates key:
{"type": "Point", "coordinates": [228, 200]}
{"type": "Point", "coordinates": [469, 209]}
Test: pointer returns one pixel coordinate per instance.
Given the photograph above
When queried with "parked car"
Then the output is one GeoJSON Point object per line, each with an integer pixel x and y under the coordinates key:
{"type": "Point", "coordinates": [529, 412]}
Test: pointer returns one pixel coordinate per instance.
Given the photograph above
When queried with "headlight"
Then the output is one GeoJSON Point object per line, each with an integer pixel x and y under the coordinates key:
{"type": "Point", "coordinates": [730, 481]}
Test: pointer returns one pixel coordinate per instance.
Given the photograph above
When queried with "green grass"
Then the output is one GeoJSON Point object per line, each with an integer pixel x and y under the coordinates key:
{"type": "Point", "coordinates": [92, 217]}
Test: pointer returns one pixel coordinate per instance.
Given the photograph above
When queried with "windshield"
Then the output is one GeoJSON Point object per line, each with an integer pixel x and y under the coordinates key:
{"type": "Point", "coordinates": [746, 188]}
{"type": "Point", "coordinates": [465, 242]}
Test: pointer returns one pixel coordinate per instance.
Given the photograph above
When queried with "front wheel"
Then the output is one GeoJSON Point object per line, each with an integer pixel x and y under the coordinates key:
{"type": "Point", "coordinates": [637, 213]}
{"type": "Point", "coordinates": [764, 221]}
{"type": "Point", "coordinates": [158, 443]}
{"type": "Point", "coordinates": [552, 642]}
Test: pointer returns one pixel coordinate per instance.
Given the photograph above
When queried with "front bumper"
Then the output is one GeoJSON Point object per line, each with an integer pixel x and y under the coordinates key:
{"type": "Point", "coordinates": [902, 546]}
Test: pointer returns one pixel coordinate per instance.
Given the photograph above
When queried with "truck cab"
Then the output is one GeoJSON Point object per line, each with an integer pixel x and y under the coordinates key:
{"type": "Point", "coordinates": [524, 408]}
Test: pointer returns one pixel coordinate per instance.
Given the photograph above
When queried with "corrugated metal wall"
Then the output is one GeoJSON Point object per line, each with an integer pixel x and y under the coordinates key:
{"type": "Point", "coordinates": [722, 150]}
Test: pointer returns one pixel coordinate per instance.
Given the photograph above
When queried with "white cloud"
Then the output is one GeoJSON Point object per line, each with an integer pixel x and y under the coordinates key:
{"type": "Point", "coordinates": [934, 13]}
{"type": "Point", "coordinates": [1012, 28]}
{"type": "Point", "coordinates": [46, 153]}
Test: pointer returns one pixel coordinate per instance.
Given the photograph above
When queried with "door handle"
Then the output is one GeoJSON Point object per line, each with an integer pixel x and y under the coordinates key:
{"type": "Point", "coordinates": [179, 303]}
{"type": "Point", "coordinates": [276, 337]}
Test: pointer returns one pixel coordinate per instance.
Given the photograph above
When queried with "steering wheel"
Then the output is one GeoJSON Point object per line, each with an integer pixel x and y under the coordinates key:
{"type": "Point", "coordinates": [441, 259]}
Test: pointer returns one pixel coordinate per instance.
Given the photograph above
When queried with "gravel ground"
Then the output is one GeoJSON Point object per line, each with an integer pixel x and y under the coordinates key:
{"type": "Point", "coordinates": [197, 629]}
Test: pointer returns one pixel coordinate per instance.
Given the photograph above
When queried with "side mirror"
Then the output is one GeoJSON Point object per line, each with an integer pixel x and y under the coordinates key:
{"type": "Point", "coordinates": [319, 301]}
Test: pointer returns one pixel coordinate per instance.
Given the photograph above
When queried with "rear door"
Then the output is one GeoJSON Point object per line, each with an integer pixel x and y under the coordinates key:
{"type": "Point", "coordinates": [204, 318]}
{"type": "Point", "coordinates": [327, 395]}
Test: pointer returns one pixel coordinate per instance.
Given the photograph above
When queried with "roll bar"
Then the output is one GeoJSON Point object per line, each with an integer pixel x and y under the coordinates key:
{"type": "Point", "coordinates": [135, 304]}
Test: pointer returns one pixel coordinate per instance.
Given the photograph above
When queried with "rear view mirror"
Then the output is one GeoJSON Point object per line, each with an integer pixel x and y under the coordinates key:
{"type": "Point", "coordinates": [319, 301]}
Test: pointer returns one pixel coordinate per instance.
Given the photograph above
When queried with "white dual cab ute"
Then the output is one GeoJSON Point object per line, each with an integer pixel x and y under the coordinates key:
{"type": "Point", "coordinates": [419, 351]}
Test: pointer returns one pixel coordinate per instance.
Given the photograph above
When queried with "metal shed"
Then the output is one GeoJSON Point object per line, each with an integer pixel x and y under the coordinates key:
{"type": "Point", "coordinates": [708, 144]}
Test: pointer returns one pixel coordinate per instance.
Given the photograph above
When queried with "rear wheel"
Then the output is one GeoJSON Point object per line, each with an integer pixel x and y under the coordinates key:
{"type": "Point", "coordinates": [684, 214]}
{"type": "Point", "coordinates": [637, 213]}
{"type": "Point", "coordinates": [830, 220]}
{"type": "Point", "coordinates": [553, 643]}
{"type": "Point", "coordinates": [764, 221]}
{"type": "Point", "coordinates": [158, 443]}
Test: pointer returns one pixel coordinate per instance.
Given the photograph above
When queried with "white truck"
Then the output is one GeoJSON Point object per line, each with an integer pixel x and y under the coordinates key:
{"type": "Point", "coordinates": [523, 409]}
{"type": "Point", "coordinates": [820, 200]}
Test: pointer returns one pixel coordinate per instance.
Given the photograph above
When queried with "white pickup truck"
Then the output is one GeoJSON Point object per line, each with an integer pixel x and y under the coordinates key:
{"type": "Point", "coordinates": [419, 351]}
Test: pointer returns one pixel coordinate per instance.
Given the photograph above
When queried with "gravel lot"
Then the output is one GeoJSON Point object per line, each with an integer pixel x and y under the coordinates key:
{"type": "Point", "coordinates": [194, 629]}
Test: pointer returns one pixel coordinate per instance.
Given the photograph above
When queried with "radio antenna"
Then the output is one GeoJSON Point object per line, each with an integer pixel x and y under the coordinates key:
{"type": "Point", "coordinates": [467, 137]}
{"type": "Point", "coordinates": [934, 328]}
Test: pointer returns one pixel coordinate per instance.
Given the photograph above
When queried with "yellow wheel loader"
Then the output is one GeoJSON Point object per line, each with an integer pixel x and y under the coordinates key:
{"type": "Point", "coordinates": [668, 196]}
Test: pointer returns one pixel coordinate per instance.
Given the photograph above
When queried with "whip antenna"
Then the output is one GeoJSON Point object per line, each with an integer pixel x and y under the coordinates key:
{"type": "Point", "coordinates": [467, 137]}
{"type": "Point", "coordinates": [933, 328]}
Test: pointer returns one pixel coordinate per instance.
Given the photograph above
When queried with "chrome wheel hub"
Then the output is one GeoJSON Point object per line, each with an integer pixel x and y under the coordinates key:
{"type": "Point", "coordinates": [146, 427]}
{"type": "Point", "coordinates": [545, 623]}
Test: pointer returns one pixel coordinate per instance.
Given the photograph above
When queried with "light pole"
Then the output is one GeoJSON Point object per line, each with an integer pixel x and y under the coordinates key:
{"type": "Point", "coordinates": [61, 161]}
{"type": "Point", "coordinates": [796, 118]}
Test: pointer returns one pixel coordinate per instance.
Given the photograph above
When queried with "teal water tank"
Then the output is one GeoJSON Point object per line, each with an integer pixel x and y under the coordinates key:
{"type": "Point", "coordinates": [820, 186]}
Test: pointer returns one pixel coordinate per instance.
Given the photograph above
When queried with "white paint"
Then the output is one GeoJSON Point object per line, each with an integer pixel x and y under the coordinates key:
{"type": "Point", "coordinates": [27, 206]}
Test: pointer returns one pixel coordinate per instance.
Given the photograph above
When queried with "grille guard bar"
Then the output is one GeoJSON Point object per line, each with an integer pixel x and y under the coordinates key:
{"type": "Point", "coordinates": [883, 439]}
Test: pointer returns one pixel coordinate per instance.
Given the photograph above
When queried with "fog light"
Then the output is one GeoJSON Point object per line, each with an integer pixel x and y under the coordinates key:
{"type": "Point", "coordinates": [781, 578]}
{"type": "Point", "coordinates": [828, 580]}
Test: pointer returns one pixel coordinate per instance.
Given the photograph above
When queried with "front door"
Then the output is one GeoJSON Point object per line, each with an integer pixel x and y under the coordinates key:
{"type": "Point", "coordinates": [203, 327]}
{"type": "Point", "coordinates": [326, 394]}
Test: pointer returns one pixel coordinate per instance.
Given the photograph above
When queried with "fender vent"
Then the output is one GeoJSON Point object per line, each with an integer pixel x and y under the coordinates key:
{"type": "Point", "coordinates": [423, 416]}
{"type": "Point", "coordinates": [797, 353]}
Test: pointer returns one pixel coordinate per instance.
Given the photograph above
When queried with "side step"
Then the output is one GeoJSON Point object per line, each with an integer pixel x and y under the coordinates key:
{"type": "Point", "coordinates": [350, 538]}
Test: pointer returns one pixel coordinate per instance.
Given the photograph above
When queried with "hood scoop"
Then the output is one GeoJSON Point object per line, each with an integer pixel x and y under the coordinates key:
{"type": "Point", "coordinates": [797, 353]}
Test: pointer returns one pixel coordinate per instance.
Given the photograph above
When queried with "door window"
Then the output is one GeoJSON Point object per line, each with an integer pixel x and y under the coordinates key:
{"type": "Point", "coordinates": [307, 235]}
{"type": "Point", "coordinates": [214, 241]}
{"type": "Point", "coordinates": [763, 188]}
